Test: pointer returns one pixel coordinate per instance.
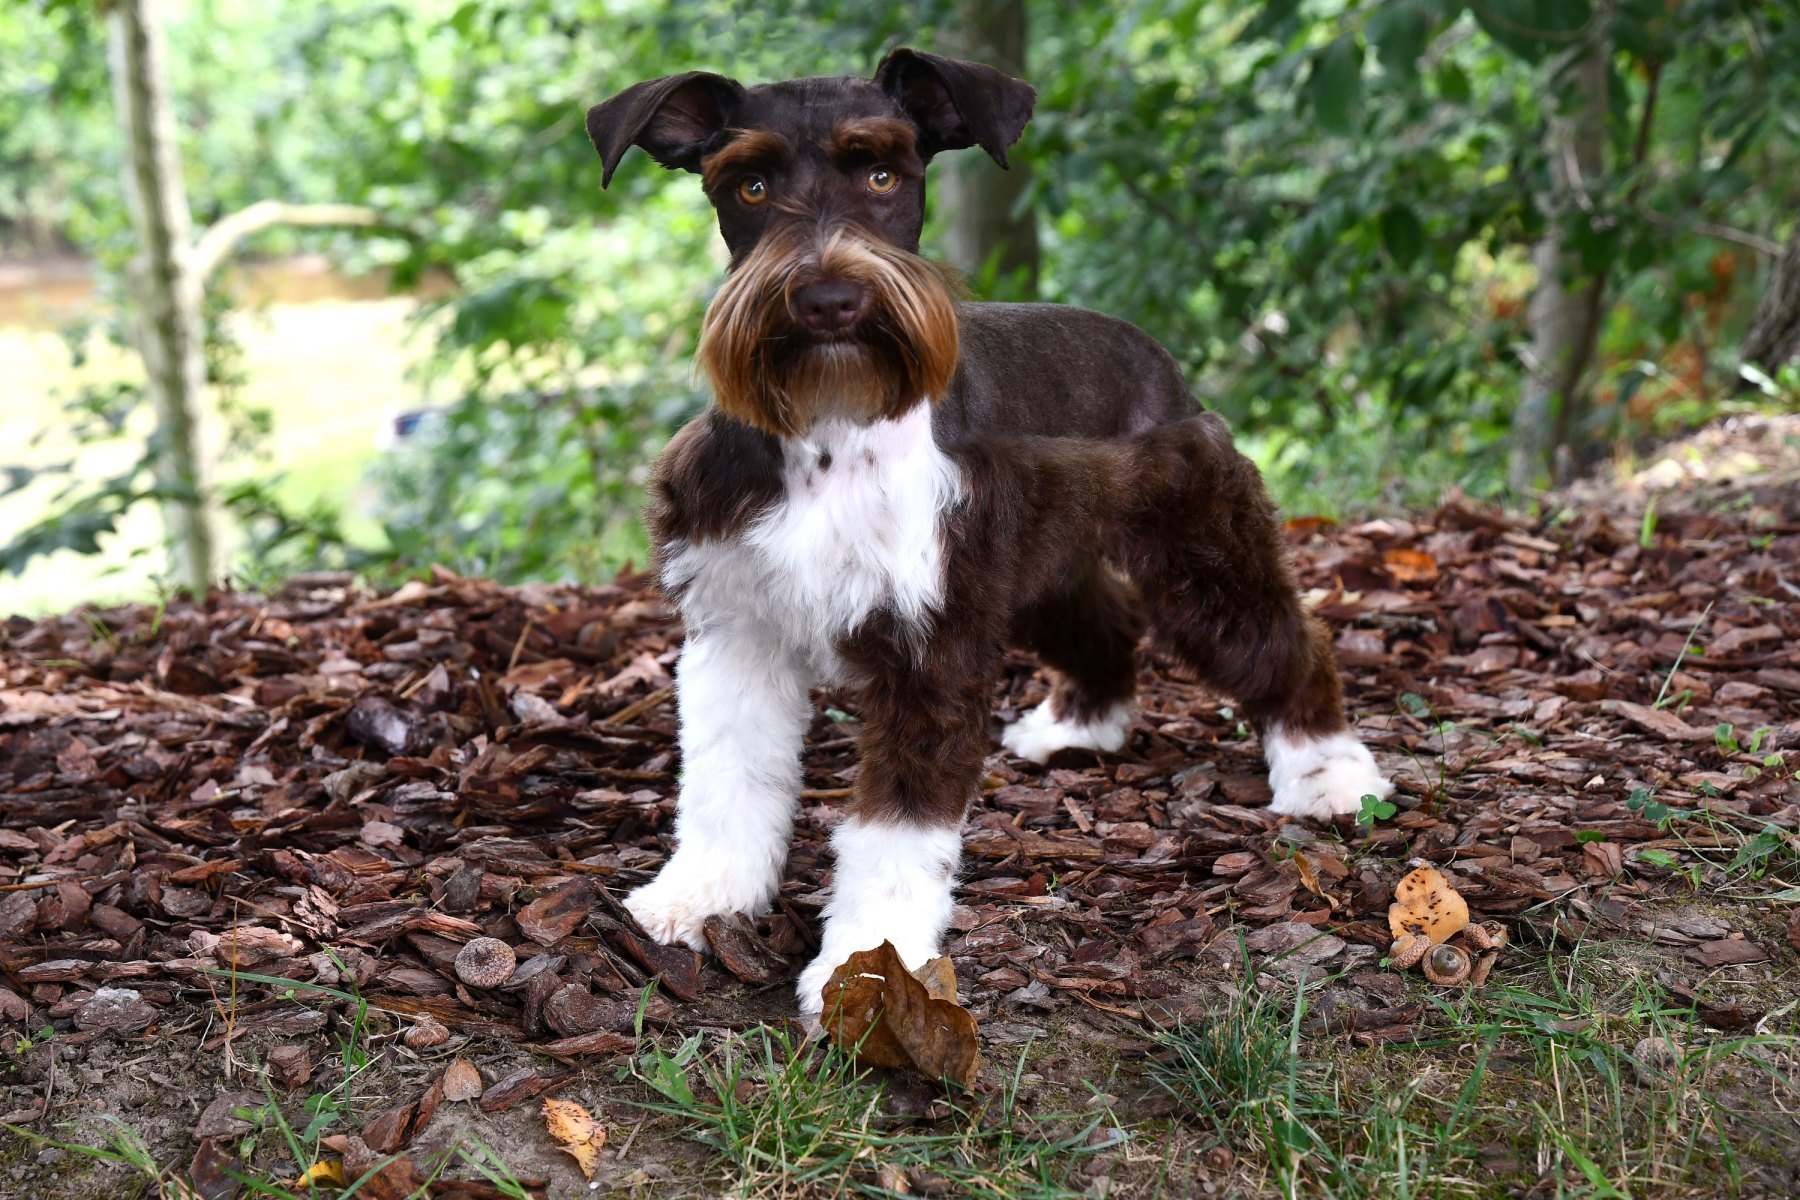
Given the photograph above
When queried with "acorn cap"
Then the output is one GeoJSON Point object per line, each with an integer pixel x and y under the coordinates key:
{"type": "Point", "coordinates": [1446, 965]}
{"type": "Point", "coordinates": [485, 963]}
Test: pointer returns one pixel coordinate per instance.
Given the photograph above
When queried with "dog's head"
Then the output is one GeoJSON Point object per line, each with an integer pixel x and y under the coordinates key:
{"type": "Point", "coordinates": [820, 189]}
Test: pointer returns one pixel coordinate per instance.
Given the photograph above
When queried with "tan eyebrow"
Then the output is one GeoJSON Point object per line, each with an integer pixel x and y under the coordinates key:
{"type": "Point", "coordinates": [748, 149]}
{"type": "Point", "coordinates": [870, 137]}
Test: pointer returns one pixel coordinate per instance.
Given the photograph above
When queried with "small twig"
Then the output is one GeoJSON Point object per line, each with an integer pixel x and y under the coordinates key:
{"type": "Point", "coordinates": [44, 883]}
{"type": "Point", "coordinates": [1725, 233]}
{"type": "Point", "coordinates": [639, 707]}
{"type": "Point", "coordinates": [519, 646]}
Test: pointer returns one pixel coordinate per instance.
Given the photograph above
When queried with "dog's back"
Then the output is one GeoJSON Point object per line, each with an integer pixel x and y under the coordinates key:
{"type": "Point", "coordinates": [1058, 371]}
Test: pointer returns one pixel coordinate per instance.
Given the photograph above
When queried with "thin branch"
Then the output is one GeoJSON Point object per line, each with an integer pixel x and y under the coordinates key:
{"type": "Point", "coordinates": [1767, 247]}
{"type": "Point", "coordinates": [223, 237]}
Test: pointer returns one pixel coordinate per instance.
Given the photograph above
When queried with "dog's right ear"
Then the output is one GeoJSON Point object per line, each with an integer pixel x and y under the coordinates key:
{"type": "Point", "coordinates": [671, 118]}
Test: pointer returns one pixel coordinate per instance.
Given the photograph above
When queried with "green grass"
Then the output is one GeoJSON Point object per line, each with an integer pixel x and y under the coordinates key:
{"type": "Point", "coordinates": [791, 1118]}
{"type": "Point", "coordinates": [1572, 1079]}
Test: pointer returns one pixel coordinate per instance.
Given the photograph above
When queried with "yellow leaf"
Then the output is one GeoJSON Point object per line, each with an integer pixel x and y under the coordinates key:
{"type": "Point", "coordinates": [321, 1173]}
{"type": "Point", "coordinates": [576, 1133]}
{"type": "Point", "coordinates": [1424, 902]}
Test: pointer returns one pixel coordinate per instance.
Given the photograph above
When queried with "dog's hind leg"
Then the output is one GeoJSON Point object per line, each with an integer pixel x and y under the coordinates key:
{"type": "Point", "coordinates": [1203, 543]}
{"type": "Point", "coordinates": [1087, 632]}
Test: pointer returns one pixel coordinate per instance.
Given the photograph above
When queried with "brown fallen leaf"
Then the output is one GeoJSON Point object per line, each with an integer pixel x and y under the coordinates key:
{"type": "Point", "coordinates": [1425, 903]}
{"type": "Point", "coordinates": [1309, 878]}
{"type": "Point", "coordinates": [576, 1133]}
{"type": "Point", "coordinates": [462, 1081]}
{"type": "Point", "coordinates": [891, 1018]}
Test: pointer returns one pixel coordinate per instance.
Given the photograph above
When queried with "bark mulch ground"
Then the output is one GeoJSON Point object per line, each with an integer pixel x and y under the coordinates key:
{"type": "Point", "coordinates": [335, 786]}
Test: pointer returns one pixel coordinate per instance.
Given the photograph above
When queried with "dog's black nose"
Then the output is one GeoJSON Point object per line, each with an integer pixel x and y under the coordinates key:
{"type": "Point", "coordinates": [832, 305]}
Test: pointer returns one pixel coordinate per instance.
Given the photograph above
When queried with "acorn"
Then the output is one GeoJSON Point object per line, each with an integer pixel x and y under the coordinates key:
{"type": "Point", "coordinates": [1408, 949]}
{"type": "Point", "coordinates": [1487, 935]}
{"type": "Point", "coordinates": [485, 963]}
{"type": "Point", "coordinates": [1447, 965]}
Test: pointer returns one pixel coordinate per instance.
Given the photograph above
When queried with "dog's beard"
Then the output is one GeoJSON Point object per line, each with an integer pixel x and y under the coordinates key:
{"type": "Point", "coordinates": [769, 372]}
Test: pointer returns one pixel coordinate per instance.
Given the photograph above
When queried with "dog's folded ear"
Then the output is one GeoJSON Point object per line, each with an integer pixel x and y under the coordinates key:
{"type": "Point", "coordinates": [671, 118]}
{"type": "Point", "coordinates": [956, 103]}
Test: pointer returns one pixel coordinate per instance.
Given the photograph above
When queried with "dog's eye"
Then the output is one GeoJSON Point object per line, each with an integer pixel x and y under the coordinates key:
{"type": "Point", "coordinates": [882, 181]}
{"type": "Point", "coordinates": [753, 190]}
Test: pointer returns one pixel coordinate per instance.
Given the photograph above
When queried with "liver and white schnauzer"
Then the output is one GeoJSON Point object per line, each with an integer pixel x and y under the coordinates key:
{"type": "Point", "coordinates": [892, 486]}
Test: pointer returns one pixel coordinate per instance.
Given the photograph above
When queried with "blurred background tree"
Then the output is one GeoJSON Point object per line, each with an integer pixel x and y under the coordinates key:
{"type": "Point", "coordinates": [1404, 245]}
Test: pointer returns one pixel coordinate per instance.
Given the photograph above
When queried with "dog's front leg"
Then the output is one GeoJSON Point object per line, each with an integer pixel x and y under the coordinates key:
{"type": "Point", "coordinates": [744, 708]}
{"type": "Point", "coordinates": [924, 740]}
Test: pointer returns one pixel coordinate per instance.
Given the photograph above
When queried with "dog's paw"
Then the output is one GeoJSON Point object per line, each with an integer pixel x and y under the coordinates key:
{"type": "Point", "coordinates": [1321, 777]}
{"type": "Point", "coordinates": [1039, 733]}
{"type": "Point", "coordinates": [674, 906]}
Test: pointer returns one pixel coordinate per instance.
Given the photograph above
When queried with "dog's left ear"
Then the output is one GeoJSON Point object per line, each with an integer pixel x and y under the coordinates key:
{"type": "Point", "coordinates": [672, 118]}
{"type": "Point", "coordinates": [956, 103]}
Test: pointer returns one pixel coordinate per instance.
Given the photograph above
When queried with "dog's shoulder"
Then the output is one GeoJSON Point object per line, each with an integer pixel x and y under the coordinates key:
{"type": "Point", "coordinates": [1060, 371]}
{"type": "Point", "coordinates": [712, 479]}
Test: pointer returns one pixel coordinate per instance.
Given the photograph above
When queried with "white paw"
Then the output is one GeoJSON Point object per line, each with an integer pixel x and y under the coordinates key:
{"type": "Point", "coordinates": [1321, 777]}
{"type": "Point", "coordinates": [1039, 733]}
{"type": "Point", "coordinates": [691, 887]}
{"type": "Point", "coordinates": [892, 883]}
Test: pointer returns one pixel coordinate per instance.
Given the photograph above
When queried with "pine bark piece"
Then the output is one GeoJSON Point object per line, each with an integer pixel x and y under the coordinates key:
{"type": "Point", "coordinates": [676, 967]}
{"type": "Point", "coordinates": [557, 913]}
{"type": "Point", "coordinates": [739, 950]}
{"type": "Point", "coordinates": [522, 1085]}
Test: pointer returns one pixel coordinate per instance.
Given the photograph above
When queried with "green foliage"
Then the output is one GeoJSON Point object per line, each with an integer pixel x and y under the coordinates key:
{"type": "Point", "coordinates": [1325, 209]}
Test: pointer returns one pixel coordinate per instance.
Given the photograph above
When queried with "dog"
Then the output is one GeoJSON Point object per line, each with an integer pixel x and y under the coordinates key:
{"type": "Point", "coordinates": [892, 486]}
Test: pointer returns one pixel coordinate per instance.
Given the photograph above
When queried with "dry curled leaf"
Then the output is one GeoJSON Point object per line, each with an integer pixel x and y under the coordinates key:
{"type": "Point", "coordinates": [462, 1081]}
{"type": "Point", "coordinates": [1425, 903]}
{"type": "Point", "coordinates": [576, 1133]}
{"type": "Point", "coordinates": [1410, 566]}
{"type": "Point", "coordinates": [893, 1018]}
{"type": "Point", "coordinates": [325, 1172]}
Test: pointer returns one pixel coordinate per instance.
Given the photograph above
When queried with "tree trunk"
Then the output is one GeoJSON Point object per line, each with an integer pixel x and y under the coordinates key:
{"type": "Point", "coordinates": [1566, 307]}
{"type": "Point", "coordinates": [1774, 337]}
{"type": "Point", "coordinates": [990, 229]}
{"type": "Point", "coordinates": [165, 319]}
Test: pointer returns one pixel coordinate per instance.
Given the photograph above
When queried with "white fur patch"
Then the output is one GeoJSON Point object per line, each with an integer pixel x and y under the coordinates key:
{"type": "Point", "coordinates": [744, 710]}
{"type": "Point", "coordinates": [857, 530]}
{"type": "Point", "coordinates": [1040, 733]}
{"type": "Point", "coordinates": [892, 883]}
{"type": "Point", "coordinates": [1321, 777]}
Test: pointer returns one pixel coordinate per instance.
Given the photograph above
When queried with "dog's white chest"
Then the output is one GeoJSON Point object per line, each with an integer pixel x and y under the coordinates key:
{"type": "Point", "coordinates": [858, 529]}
